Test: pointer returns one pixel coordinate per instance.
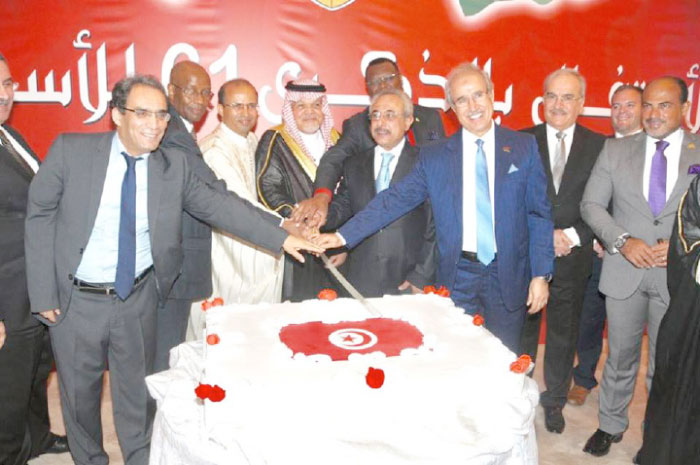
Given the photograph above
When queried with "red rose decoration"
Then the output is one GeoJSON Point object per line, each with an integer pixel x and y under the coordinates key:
{"type": "Point", "coordinates": [375, 377]}
{"type": "Point", "coordinates": [442, 291]}
{"type": "Point", "coordinates": [327, 294]}
{"type": "Point", "coordinates": [206, 305]}
{"type": "Point", "coordinates": [429, 290]}
{"type": "Point", "coordinates": [521, 365]}
{"type": "Point", "coordinates": [217, 302]}
{"type": "Point", "coordinates": [478, 320]}
{"type": "Point", "coordinates": [203, 391]}
{"type": "Point", "coordinates": [213, 339]}
{"type": "Point", "coordinates": [217, 394]}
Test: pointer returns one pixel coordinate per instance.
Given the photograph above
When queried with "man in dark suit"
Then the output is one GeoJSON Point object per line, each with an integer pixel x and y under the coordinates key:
{"type": "Point", "coordinates": [381, 73]}
{"type": "Point", "coordinates": [568, 152]}
{"type": "Point", "coordinates": [402, 255]}
{"type": "Point", "coordinates": [487, 191]}
{"type": "Point", "coordinates": [189, 93]}
{"type": "Point", "coordinates": [104, 245]}
{"type": "Point", "coordinates": [25, 351]}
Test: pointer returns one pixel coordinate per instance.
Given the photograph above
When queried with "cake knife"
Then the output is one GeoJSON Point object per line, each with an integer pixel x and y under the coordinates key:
{"type": "Point", "coordinates": [349, 287]}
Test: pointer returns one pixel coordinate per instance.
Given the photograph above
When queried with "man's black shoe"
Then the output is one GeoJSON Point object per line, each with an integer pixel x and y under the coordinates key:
{"type": "Point", "coordinates": [599, 443]}
{"type": "Point", "coordinates": [57, 445]}
{"type": "Point", "coordinates": [554, 420]}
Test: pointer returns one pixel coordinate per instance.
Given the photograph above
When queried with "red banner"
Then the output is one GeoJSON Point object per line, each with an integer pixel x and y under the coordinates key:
{"type": "Point", "coordinates": [66, 56]}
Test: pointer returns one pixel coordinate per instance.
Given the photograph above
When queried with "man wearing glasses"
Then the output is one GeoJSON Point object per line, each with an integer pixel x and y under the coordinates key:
{"type": "Point", "coordinates": [189, 94]}
{"type": "Point", "coordinates": [241, 273]}
{"type": "Point", "coordinates": [402, 256]}
{"type": "Point", "coordinates": [104, 245]}
{"type": "Point", "coordinates": [381, 74]}
{"type": "Point", "coordinates": [568, 152]}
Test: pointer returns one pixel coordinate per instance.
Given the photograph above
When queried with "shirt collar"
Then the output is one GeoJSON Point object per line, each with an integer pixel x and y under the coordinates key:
{"type": "Point", "coordinates": [471, 138]}
{"type": "Point", "coordinates": [118, 147]}
{"type": "Point", "coordinates": [569, 132]}
{"type": "Point", "coordinates": [396, 150]}
{"type": "Point", "coordinates": [676, 137]}
{"type": "Point", "coordinates": [234, 136]}
{"type": "Point", "coordinates": [187, 124]}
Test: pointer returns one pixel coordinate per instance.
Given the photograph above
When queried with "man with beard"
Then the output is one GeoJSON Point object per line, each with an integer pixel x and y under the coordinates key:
{"type": "Point", "coordinates": [286, 161]}
{"type": "Point", "coordinates": [635, 236]}
{"type": "Point", "coordinates": [402, 256]}
{"type": "Point", "coordinates": [25, 351]}
{"type": "Point", "coordinates": [241, 272]}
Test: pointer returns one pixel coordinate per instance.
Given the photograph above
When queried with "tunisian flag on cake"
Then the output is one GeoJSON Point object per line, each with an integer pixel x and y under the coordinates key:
{"type": "Point", "coordinates": [339, 340]}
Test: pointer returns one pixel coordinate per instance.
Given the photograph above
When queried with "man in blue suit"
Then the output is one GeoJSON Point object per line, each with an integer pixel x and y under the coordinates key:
{"type": "Point", "coordinates": [487, 189]}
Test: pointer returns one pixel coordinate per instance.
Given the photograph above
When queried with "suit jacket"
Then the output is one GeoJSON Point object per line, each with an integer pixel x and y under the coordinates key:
{"type": "Point", "coordinates": [403, 250]}
{"type": "Point", "coordinates": [523, 221]}
{"type": "Point", "coordinates": [356, 138]}
{"type": "Point", "coordinates": [618, 176]}
{"type": "Point", "coordinates": [566, 204]}
{"type": "Point", "coordinates": [64, 198]}
{"type": "Point", "coordinates": [194, 282]}
{"type": "Point", "coordinates": [14, 187]}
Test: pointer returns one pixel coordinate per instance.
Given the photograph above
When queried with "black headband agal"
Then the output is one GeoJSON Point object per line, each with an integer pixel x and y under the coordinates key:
{"type": "Point", "coordinates": [305, 87]}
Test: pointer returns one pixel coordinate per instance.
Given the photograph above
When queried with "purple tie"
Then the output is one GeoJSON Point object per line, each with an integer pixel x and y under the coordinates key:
{"type": "Point", "coordinates": [657, 179]}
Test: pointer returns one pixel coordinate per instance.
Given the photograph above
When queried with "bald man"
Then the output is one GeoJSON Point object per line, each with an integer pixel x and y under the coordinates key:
{"type": "Point", "coordinates": [189, 93]}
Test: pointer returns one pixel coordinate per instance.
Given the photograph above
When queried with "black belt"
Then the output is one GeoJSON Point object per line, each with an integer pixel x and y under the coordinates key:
{"type": "Point", "coordinates": [107, 288]}
{"type": "Point", "coordinates": [471, 256]}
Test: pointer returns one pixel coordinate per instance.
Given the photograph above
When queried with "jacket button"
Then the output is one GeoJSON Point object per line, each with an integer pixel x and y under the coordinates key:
{"type": "Point", "coordinates": [70, 276]}
{"type": "Point", "coordinates": [81, 250]}
{"type": "Point", "coordinates": [657, 222]}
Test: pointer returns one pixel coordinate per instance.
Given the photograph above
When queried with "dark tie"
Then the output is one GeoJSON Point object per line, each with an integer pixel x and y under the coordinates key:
{"type": "Point", "coordinates": [14, 154]}
{"type": "Point", "coordinates": [126, 261]}
{"type": "Point", "coordinates": [657, 179]}
{"type": "Point", "coordinates": [485, 247]}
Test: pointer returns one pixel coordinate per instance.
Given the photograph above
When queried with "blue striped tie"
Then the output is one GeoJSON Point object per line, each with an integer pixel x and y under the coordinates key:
{"type": "Point", "coordinates": [126, 259]}
{"type": "Point", "coordinates": [484, 222]}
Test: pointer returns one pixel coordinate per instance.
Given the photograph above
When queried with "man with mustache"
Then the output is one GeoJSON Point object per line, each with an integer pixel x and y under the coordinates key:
{"type": "Point", "coordinates": [487, 192]}
{"type": "Point", "coordinates": [25, 351]}
{"type": "Point", "coordinates": [241, 273]}
{"type": "Point", "coordinates": [644, 176]}
{"type": "Point", "coordinates": [286, 162]}
{"type": "Point", "coordinates": [401, 256]}
{"type": "Point", "coordinates": [568, 152]}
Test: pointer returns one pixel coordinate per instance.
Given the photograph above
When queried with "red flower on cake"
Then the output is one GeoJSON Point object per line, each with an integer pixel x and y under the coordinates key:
{"type": "Point", "coordinates": [206, 305]}
{"type": "Point", "coordinates": [521, 365]}
{"type": "Point", "coordinates": [217, 394]}
{"type": "Point", "coordinates": [442, 291]}
{"type": "Point", "coordinates": [375, 377]}
{"type": "Point", "coordinates": [213, 339]}
{"type": "Point", "coordinates": [217, 302]}
{"type": "Point", "coordinates": [478, 320]}
{"type": "Point", "coordinates": [327, 294]}
{"type": "Point", "coordinates": [203, 391]}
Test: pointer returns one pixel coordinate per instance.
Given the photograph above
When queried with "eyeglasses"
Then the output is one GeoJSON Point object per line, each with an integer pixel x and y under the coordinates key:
{"type": "Point", "coordinates": [191, 92]}
{"type": "Point", "coordinates": [10, 84]}
{"type": "Point", "coordinates": [141, 113]}
{"type": "Point", "coordinates": [388, 115]}
{"type": "Point", "coordinates": [567, 99]}
{"type": "Point", "coordinates": [382, 80]}
{"type": "Point", "coordinates": [240, 106]}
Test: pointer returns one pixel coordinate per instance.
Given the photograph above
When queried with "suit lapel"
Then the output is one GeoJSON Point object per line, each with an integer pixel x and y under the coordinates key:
{"type": "Point", "coordinates": [543, 148]}
{"type": "Point", "coordinates": [98, 172]}
{"type": "Point", "coordinates": [689, 155]}
{"type": "Point", "coordinates": [156, 169]}
{"type": "Point", "coordinates": [12, 164]}
{"type": "Point", "coordinates": [502, 163]}
{"type": "Point", "coordinates": [405, 163]}
{"type": "Point", "coordinates": [637, 155]}
{"type": "Point", "coordinates": [573, 161]}
{"type": "Point", "coordinates": [455, 181]}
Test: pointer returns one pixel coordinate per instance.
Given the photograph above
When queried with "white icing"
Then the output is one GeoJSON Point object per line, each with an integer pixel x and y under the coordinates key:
{"type": "Point", "coordinates": [452, 400]}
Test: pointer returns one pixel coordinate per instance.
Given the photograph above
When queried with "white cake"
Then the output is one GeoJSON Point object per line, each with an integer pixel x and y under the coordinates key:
{"type": "Point", "coordinates": [449, 397]}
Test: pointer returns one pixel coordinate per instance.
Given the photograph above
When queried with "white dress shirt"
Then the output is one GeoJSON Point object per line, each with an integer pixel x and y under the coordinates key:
{"type": "Point", "coordinates": [469, 149]}
{"type": "Point", "coordinates": [315, 145]}
{"type": "Point", "coordinates": [99, 261]}
{"type": "Point", "coordinates": [552, 143]}
{"type": "Point", "coordinates": [19, 149]}
{"type": "Point", "coordinates": [396, 151]}
{"type": "Point", "coordinates": [673, 158]}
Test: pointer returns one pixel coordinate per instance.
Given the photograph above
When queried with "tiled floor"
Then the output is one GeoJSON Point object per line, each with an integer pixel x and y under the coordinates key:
{"type": "Point", "coordinates": [554, 449]}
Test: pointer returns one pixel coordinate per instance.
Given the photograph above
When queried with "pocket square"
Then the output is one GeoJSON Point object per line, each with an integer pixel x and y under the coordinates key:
{"type": "Point", "coordinates": [512, 169]}
{"type": "Point", "coordinates": [694, 169]}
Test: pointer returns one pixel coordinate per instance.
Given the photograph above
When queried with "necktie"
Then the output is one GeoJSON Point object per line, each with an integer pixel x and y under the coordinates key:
{"type": "Point", "coordinates": [14, 154]}
{"type": "Point", "coordinates": [559, 161]}
{"type": "Point", "coordinates": [126, 259]}
{"type": "Point", "coordinates": [657, 179]}
{"type": "Point", "coordinates": [384, 178]}
{"type": "Point", "coordinates": [484, 222]}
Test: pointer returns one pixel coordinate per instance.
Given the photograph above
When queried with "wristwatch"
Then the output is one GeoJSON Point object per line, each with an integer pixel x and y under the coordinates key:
{"type": "Point", "coordinates": [620, 241]}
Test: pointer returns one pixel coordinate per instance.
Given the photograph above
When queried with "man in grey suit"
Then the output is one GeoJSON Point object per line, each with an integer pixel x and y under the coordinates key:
{"type": "Point", "coordinates": [645, 176]}
{"type": "Point", "coordinates": [189, 94]}
{"type": "Point", "coordinates": [104, 244]}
